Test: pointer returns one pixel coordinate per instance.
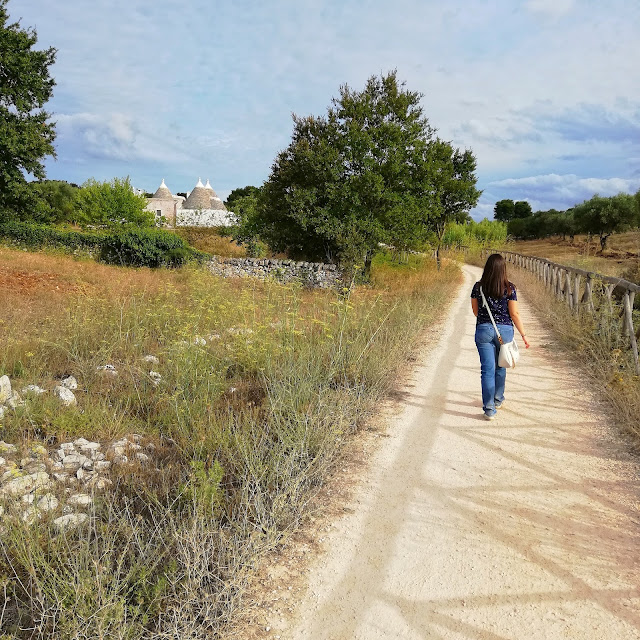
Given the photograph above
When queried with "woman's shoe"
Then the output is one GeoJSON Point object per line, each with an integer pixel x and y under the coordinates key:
{"type": "Point", "coordinates": [499, 404]}
{"type": "Point", "coordinates": [489, 416]}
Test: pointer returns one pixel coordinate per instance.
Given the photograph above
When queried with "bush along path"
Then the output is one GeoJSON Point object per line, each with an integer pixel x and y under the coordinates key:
{"type": "Point", "coordinates": [526, 527]}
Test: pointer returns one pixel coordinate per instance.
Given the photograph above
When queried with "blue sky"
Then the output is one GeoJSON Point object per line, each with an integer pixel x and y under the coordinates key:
{"type": "Point", "coordinates": [545, 92]}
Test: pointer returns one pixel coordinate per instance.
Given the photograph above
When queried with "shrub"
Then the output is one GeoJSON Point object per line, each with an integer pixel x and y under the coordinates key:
{"type": "Point", "coordinates": [37, 236]}
{"type": "Point", "coordinates": [111, 204]}
{"type": "Point", "coordinates": [146, 248]}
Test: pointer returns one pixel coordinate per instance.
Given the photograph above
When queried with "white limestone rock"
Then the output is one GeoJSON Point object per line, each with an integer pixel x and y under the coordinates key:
{"type": "Point", "coordinates": [89, 448]}
{"type": "Point", "coordinates": [70, 521]}
{"type": "Point", "coordinates": [65, 395]}
{"type": "Point", "coordinates": [2, 461]}
{"type": "Point", "coordinates": [30, 515]}
{"type": "Point", "coordinates": [68, 447]}
{"type": "Point", "coordinates": [47, 502]}
{"type": "Point", "coordinates": [74, 461]}
{"type": "Point", "coordinates": [20, 485]}
{"type": "Point", "coordinates": [107, 370]}
{"type": "Point", "coordinates": [80, 500]}
{"type": "Point", "coordinates": [1, 412]}
{"type": "Point", "coordinates": [98, 483]}
{"type": "Point", "coordinates": [142, 457]}
{"type": "Point", "coordinates": [34, 389]}
{"type": "Point", "coordinates": [69, 383]}
{"type": "Point", "coordinates": [35, 467]}
{"type": "Point", "coordinates": [151, 359]}
{"type": "Point", "coordinates": [155, 377]}
{"type": "Point", "coordinates": [5, 389]}
{"type": "Point", "coordinates": [102, 465]}
{"type": "Point", "coordinates": [14, 401]}
{"type": "Point", "coordinates": [199, 341]}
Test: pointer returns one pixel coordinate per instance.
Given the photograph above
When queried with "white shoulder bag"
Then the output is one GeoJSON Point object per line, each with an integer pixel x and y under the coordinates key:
{"type": "Point", "coordinates": [509, 352]}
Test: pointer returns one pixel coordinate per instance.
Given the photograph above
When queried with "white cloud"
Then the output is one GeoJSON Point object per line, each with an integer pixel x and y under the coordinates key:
{"type": "Point", "coordinates": [562, 190]}
{"type": "Point", "coordinates": [111, 135]}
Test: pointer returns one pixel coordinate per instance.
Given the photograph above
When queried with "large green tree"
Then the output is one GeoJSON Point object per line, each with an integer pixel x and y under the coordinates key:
{"type": "Point", "coordinates": [503, 210]}
{"type": "Point", "coordinates": [26, 135]}
{"type": "Point", "coordinates": [522, 209]}
{"type": "Point", "coordinates": [55, 202]}
{"type": "Point", "coordinates": [371, 171]}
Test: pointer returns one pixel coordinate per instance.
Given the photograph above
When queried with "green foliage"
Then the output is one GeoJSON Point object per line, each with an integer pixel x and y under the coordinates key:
{"type": "Point", "coordinates": [203, 490]}
{"type": "Point", "coordinates": [522, 209]}
{"type": "Point", "coordinates": [37, 236]}
{"type": "Point", "coordinates": [543, 224]}
{"type": "Point", "coordinates": [132, 247]}
{"type": "Point", "coordinates": [26, 136]}
{"type": "Point", "coordinates": [471, 234]}
{"type": "Point", "coordinates": [371, 171]}
{"type": "Point", "coordinates": [112, 204]}
{"type": "Point", "coordinates": [504, 210]}
{"type": "Point", "coordinates": [146, 248]}
{"type": "Point", "coordinates": [604, 216]}
{"type": "Point", "coordinates": [246, 231]}
{"type": "Point", "coordinates": [241, 192]}
{"type": "Point", "coordinates": [55, 202]}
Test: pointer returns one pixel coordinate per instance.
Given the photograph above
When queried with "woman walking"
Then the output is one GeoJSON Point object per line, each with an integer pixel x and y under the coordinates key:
{"type": "Point", "coordinates": [500, 296]}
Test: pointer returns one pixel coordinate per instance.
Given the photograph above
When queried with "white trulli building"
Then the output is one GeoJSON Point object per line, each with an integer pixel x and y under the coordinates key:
{"type": "Point", "coordinates": [201, 208]}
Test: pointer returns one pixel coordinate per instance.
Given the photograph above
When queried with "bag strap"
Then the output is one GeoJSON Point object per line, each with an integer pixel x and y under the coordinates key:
{"type": "Point", "coordinates": [493, 322]}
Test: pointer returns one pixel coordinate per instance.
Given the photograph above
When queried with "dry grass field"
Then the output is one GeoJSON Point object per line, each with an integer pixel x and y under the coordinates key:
{"type": "Point", "coordinates": [622, 253]}
{"type": "Point", "coordinates": [259, 385]}
{"type": "Point", "coordinates": [211, 242]}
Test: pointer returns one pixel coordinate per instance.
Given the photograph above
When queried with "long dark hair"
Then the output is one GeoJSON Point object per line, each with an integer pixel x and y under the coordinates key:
{"type": "Point", "coordinates": [494, 281]}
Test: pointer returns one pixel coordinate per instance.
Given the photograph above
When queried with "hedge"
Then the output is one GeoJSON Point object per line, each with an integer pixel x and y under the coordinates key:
{"type": "Point", "coordinates": [130, 247]}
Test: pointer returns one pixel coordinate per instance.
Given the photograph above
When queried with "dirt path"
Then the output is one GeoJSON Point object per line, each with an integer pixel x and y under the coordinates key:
{"type": "Point", "coordinates": [524, 527]}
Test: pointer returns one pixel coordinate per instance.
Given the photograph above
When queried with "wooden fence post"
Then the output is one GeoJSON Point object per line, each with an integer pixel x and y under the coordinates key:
{"type": "Point", "coordinates": [587, 298]}
{"type": "Point", "coordinates": [627, 301]}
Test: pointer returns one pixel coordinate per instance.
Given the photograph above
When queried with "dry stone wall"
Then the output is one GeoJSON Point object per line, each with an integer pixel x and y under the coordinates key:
{"type": "Point", "coordinates": [311, 274]}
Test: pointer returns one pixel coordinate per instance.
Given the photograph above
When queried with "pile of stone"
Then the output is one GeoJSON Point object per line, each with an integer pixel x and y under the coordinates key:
{"type": "Point", "coordinates": [311, 274]}
{"type": "Point", "coordinates": [62, 482]}
{"type": "Point", "coordinates": [11, 399]}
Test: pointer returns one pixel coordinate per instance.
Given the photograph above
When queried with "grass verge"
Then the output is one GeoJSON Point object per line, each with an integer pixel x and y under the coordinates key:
{"type": "Point", "coordinates": [246, 424]}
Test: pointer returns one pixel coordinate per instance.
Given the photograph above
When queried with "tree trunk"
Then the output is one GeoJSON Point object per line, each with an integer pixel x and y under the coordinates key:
{"type": "Point", "coordinates": [603, 241]}
{"type": "Point", "coordinates": [367, 266]}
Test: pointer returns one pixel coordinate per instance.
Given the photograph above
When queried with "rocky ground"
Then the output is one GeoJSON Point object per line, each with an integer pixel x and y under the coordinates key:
{"type": "Point", "coordinates": [61, 482]}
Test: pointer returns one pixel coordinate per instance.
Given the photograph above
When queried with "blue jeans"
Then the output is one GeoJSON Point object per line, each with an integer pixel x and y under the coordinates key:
{"type": "Point", "coordinates": [492, 377]}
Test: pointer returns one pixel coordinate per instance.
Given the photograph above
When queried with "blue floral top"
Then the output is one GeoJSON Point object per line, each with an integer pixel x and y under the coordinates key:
{"type": "Point", "coordinates": [499, 308]}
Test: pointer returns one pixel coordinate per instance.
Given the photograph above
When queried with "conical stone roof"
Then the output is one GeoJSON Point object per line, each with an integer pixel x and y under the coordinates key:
{"type": "Point", "coordinates": [163, 192]}
{"type": "Point", "coordinates": [199, 198]}
{"type": "Point", "coordinates": [216, 202]}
